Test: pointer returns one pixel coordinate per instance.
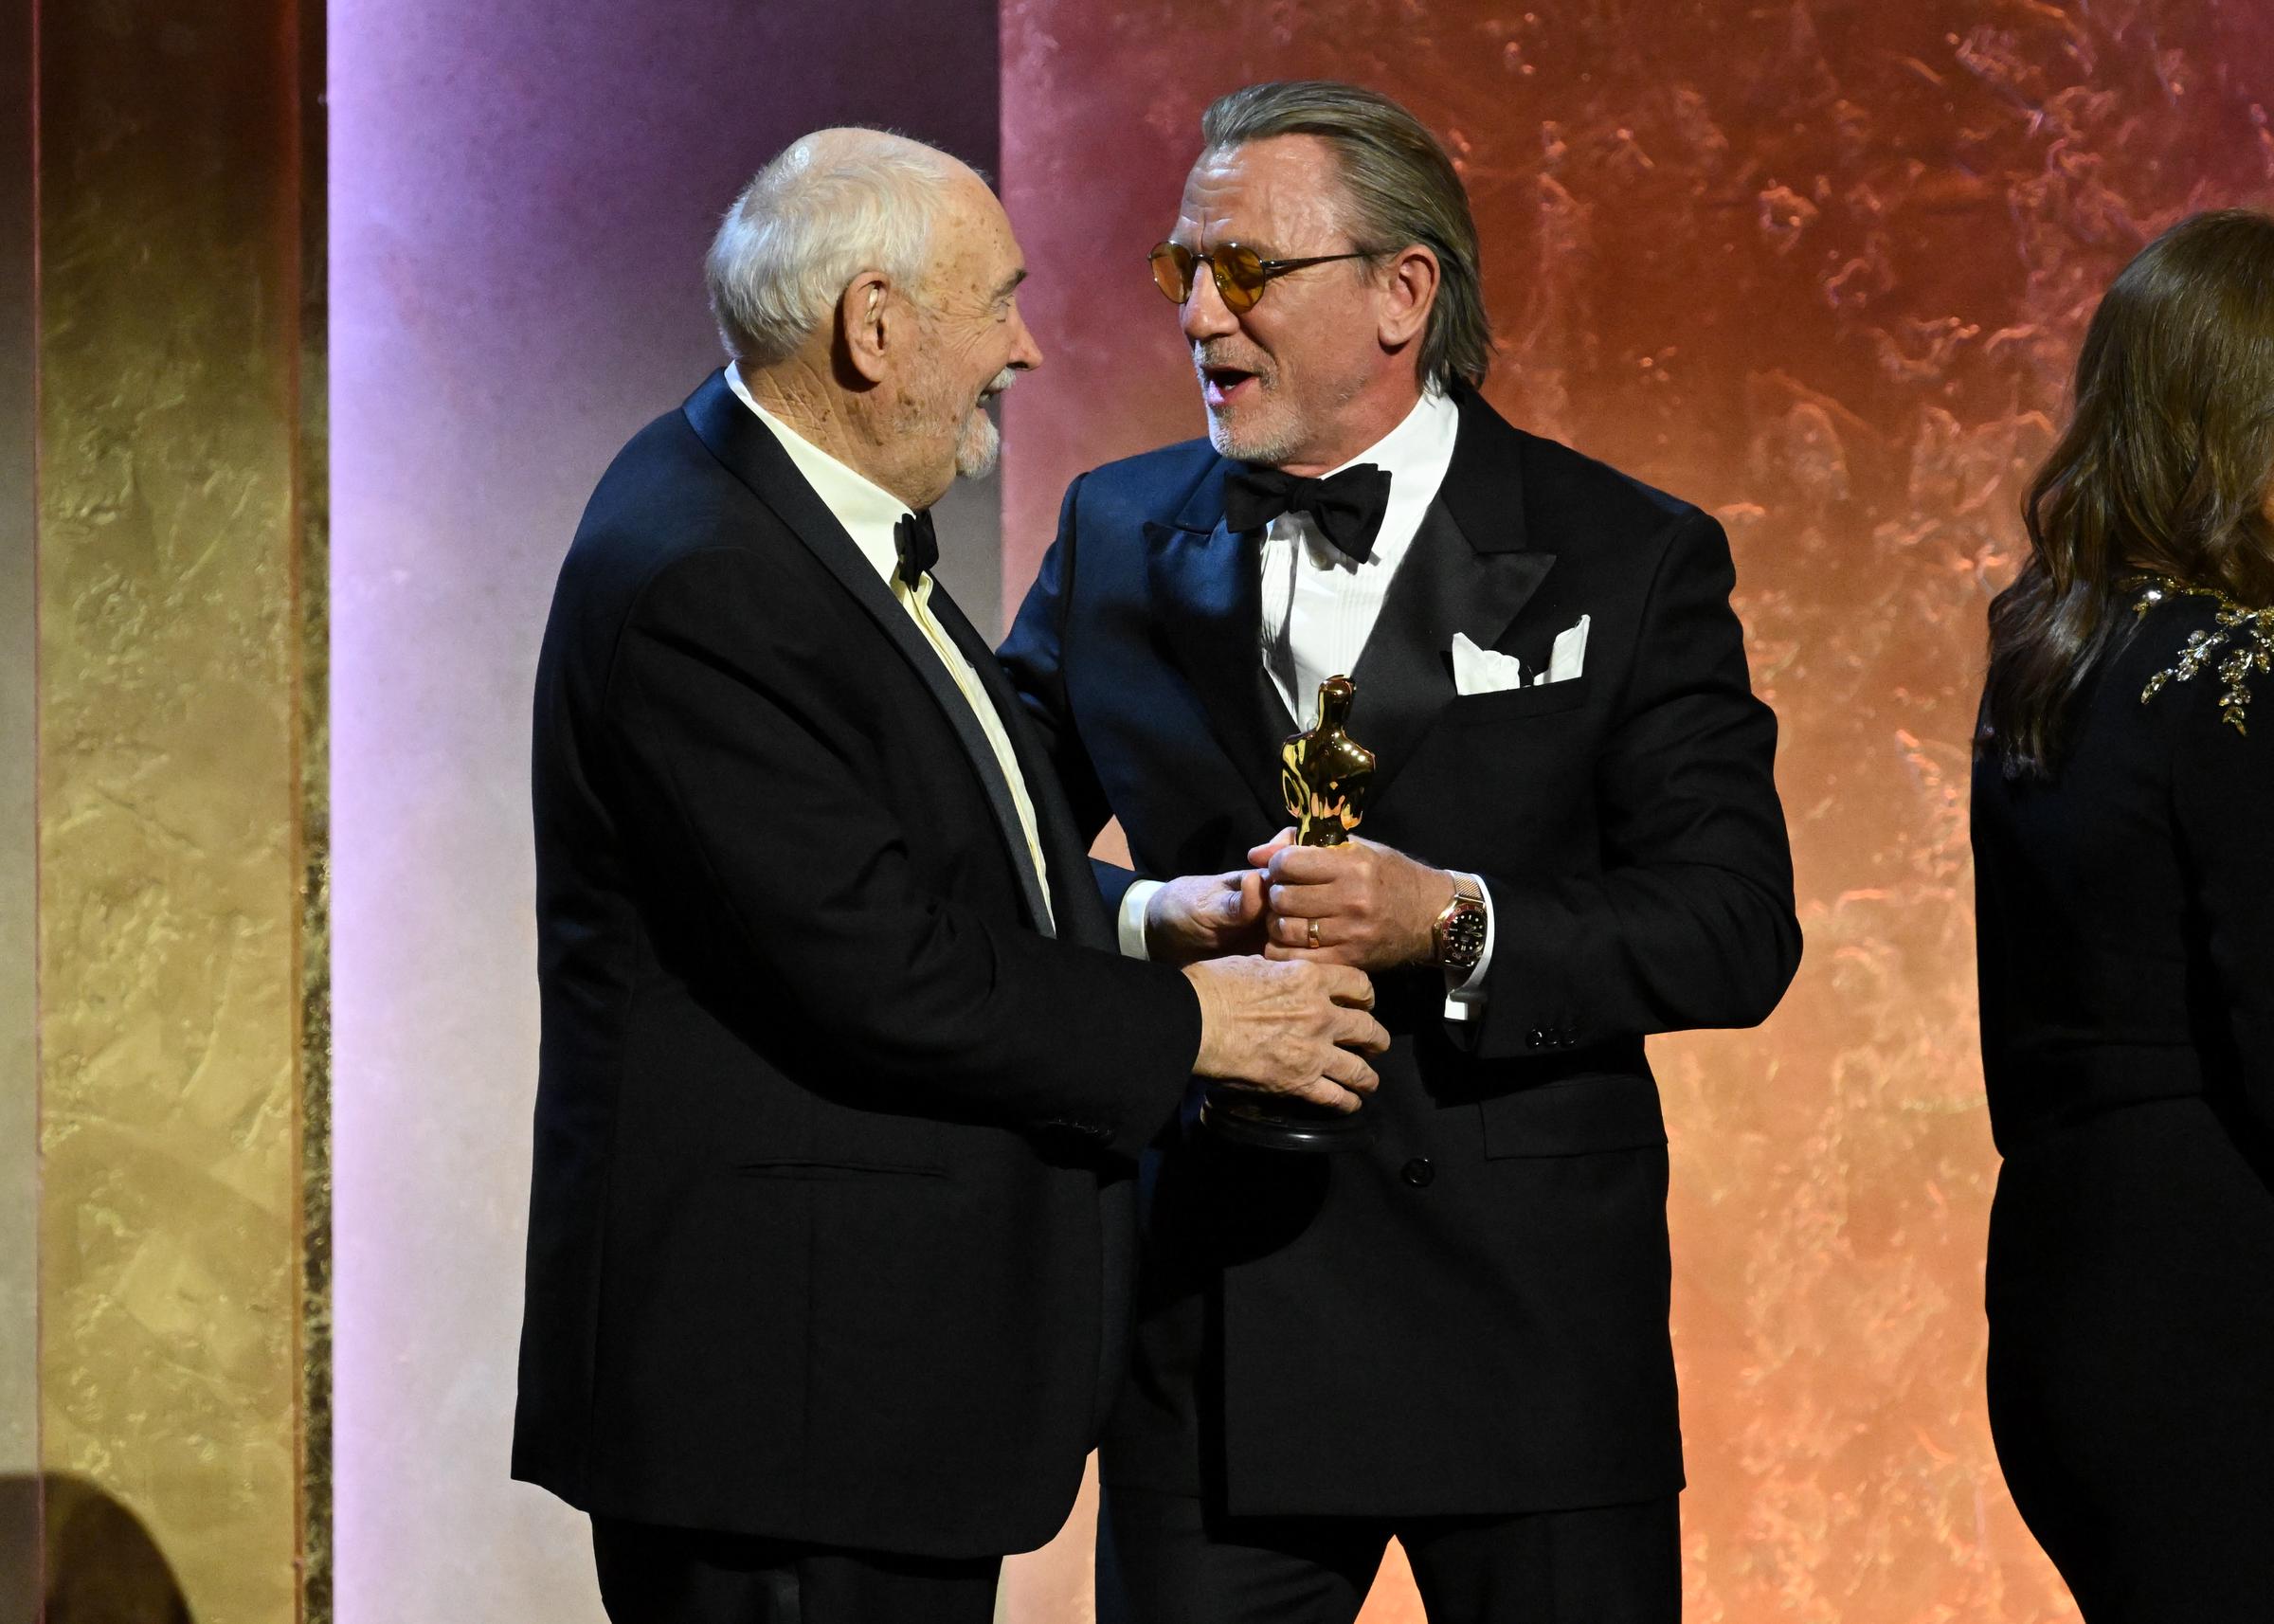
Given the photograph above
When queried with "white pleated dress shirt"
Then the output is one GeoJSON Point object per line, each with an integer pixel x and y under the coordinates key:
{"type": "Point", "coordinates": [870, 514]}
{"type": "Point", "coordinates": [1319, 608]}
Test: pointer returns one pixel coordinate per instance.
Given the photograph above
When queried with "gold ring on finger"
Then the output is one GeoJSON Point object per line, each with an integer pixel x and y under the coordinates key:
{"type": "Point", "coordinates": [1314, 933]}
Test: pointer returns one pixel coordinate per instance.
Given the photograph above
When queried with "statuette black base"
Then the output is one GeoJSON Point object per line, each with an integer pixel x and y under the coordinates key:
{"type": "Point", "coordinates": [1268, 1122]}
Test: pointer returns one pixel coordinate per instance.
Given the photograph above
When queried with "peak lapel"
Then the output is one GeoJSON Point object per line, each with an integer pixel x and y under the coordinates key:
{"type": "Point", "coordinates": [748, 450]}
{"type": "Point", "coordinates": [1469, 572]}
{"type": "Point", "coordinates": [1207, 598]}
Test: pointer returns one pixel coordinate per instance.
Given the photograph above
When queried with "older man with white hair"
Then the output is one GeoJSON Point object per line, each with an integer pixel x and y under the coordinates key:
{"type": "Point", "coordinates": [842, 1079]}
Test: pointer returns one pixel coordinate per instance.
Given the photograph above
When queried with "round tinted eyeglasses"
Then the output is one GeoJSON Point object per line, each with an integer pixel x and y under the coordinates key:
{"type": "Point", "coordinates": [1240, 271]}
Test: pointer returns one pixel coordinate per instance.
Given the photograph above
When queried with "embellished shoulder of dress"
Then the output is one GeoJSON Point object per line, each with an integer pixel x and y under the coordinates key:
{"type": "Point", "coordinates": [2238, 646]}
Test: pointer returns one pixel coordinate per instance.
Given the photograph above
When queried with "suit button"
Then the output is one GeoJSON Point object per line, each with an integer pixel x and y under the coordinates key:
{"type": "Point", "coordinates": [1418, 1172]}
{"type": "Point", "coordinates": [1534, 1038]}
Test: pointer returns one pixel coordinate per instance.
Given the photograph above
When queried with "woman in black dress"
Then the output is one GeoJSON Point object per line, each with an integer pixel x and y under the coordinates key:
{"type": "Point", "coordinates": [2123, 840]}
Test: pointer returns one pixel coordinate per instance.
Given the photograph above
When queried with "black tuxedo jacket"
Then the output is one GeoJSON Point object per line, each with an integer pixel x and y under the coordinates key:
{"type": "Point", "coordinates": [832, 1142]}
{"type": "Point", "coordinates": [1470, 1315]}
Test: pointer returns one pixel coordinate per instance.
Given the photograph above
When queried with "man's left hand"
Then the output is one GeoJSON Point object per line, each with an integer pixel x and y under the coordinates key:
{"type": "Point", "coordinates": [1359, 903]}
{"type": "Point", "coordinates": [1205, 916]}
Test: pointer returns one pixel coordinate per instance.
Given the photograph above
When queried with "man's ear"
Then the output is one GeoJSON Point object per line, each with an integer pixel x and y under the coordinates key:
{"type": "Point", "coordinates": [865, 324]}
{"type": "Point", "coordinates": [1410, 292]}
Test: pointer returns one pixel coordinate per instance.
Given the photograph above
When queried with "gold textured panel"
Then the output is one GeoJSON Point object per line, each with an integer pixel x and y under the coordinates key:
{"type": "Point", "coordinates": [19, 859]}
{"type": "Point", "coordinates": [172, 608]}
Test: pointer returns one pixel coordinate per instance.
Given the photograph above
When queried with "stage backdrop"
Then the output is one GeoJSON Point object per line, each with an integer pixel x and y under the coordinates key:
{"type": "Point", "coordinates": [522, 191]}
{"type": "Point", "coordinates": [1820, 269]}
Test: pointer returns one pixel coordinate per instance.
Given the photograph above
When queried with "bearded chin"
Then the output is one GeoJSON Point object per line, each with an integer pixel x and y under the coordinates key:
{"type": "Point", "coordinates": [977, 448]}
{"type": "Point", "coordinates": [1266, 443]}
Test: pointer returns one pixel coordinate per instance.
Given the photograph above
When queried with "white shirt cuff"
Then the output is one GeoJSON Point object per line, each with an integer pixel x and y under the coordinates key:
{"type": "Point", "coordinates": [1130, 922]}
{"type": "Point", "coordinates": [1464, 995]}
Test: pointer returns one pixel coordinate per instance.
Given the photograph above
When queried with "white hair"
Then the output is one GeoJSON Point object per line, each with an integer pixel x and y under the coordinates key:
{"type": "Point", "coordinates": [833, 204]}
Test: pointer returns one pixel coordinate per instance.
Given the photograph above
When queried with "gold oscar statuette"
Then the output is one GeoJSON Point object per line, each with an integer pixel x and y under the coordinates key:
{"type": "Point", "coordinates": [1323, 776]}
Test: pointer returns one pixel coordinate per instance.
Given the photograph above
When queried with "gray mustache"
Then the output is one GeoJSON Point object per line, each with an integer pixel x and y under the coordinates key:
{"type": "Point", "coordinates": [1202, 359]}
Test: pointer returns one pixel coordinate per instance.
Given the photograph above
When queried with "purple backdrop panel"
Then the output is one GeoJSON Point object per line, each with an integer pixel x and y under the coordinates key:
{"type": "Point", "coordinates": [521, 192]}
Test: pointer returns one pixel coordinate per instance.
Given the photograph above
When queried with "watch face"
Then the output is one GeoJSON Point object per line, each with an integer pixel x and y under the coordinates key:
{"type": "Point", "coordinates": [1463, 937]}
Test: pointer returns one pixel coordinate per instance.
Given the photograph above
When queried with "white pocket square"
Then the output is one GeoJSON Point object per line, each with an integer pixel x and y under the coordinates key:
{"type": "Point", "coordinates": [1569, 656]}
{"type": "Point", "coordinates": [1483, 671]}
{"type": "Point", "coordinates": [1480, 670]}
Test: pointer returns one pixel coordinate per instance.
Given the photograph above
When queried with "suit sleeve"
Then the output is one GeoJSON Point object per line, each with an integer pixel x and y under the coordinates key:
{"type": "Point", "coordinates": [1034, 656]}
{"type": "Point", "coordinates": [1690, 921]}
{"type": "Point", "coordinates": [2223, 795]}
{"type": "Point", "coordinates": [725, 712]}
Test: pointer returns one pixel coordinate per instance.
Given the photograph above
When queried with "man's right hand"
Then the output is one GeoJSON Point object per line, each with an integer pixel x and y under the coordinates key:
{"type": "Point", "coordinates": [1292, 1029]}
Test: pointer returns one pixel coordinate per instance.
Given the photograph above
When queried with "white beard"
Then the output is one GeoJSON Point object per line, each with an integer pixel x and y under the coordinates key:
{"type": "Point", "coordinates": [978, 446]}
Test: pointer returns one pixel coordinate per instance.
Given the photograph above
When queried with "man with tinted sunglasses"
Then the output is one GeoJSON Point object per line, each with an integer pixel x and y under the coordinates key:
{"type": "Point", "coordinates": [1454, 1329]}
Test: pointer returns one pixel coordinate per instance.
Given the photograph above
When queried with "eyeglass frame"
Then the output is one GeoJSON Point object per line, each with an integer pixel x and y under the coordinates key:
{"type": "Point", "coordinates": [1268, 271]}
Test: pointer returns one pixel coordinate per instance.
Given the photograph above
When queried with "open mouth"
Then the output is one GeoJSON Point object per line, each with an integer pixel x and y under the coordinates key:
{"type": "Point", "coordinates": [1226, 386]}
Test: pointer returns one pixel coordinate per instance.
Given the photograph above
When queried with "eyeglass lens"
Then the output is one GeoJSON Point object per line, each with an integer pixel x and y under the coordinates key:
{"type": "Point", "coordinates": [1237, 271]}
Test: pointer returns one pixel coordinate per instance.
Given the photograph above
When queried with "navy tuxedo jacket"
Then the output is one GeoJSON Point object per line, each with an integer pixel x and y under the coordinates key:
{"type": "Point", "coordinates": [1469, 1314]}
{"type": "Point", "coordinates": [831, 1223]}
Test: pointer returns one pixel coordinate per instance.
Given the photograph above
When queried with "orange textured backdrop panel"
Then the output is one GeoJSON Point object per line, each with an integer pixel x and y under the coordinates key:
{"type": "Point", "coordinates": [1820, 268]}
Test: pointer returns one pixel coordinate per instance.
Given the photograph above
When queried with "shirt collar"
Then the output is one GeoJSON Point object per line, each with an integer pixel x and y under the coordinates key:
{"type": "Point", "coordinates": [1422, 444]}
{"type": "Point", "coordinates": [1416, 455]}
{"type": "Point", "coordinates": [866, 509]}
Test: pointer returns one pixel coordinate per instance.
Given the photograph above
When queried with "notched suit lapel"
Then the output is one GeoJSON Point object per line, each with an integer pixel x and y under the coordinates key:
{"type": "Point", "coordinates": [1207, 598]}
{"type": "Point", "coordinates": [748, 450]}
{"type": "Point", "coordinates": [1469, 572]}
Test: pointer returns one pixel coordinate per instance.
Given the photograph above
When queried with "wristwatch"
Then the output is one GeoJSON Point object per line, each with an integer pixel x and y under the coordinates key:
{"type": "Point", "coordinates": [1459, 932]}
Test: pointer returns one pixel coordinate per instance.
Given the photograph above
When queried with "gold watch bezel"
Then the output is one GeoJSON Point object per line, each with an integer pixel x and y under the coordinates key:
{"type": "Point", "coordinates": [1467, 903]}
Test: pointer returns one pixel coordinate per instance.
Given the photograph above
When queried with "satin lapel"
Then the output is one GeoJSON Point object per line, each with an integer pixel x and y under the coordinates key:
{"type": "Point", "coordinates": [1074, 901]}
{"type": "Point", "coordinates": [1469, 570]}
{"type": "Point", "coordinates": [748, 450]}
{"type": "Point", "coordinates": [1207, 600]}
{"type": "Point", "coordinates": [1404, 677]}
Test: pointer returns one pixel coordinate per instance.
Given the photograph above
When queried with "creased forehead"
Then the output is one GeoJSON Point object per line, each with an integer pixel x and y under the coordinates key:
{"type": "Point", "coordinates": [1285, 187]}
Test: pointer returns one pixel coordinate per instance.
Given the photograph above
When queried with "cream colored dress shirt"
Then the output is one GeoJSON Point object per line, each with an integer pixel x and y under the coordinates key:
{"type": "Point", "coordinates": [869, 514]}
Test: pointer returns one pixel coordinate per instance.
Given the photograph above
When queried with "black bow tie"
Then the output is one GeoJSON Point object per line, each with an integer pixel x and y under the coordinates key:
{"type": "Point", "coordinates": [1346, 507]}
{"type": "Point", "coordinates": [918, 546]}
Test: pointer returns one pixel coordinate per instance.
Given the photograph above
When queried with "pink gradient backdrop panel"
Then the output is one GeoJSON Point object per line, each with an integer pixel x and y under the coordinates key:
{"type": "Point", "coordinates": [521, 194]}
{"type": "Point", "coordinates": [1821, 269]}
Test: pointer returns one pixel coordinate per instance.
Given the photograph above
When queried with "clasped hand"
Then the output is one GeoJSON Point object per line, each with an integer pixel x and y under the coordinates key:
{"type": "Point", "coordinates": [1360, 903]}
{"type": "Point", "coordinates": [1354, 908]}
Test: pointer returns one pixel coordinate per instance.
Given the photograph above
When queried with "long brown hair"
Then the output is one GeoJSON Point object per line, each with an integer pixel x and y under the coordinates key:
{"type": "Point", "coordinates": [2165, 470]}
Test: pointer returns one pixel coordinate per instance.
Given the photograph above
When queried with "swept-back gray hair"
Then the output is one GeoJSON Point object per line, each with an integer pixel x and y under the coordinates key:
{"type": "Point", "coordinates": [831, 206]}
{"type": "Point", "coordinates": [1402, 189]}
